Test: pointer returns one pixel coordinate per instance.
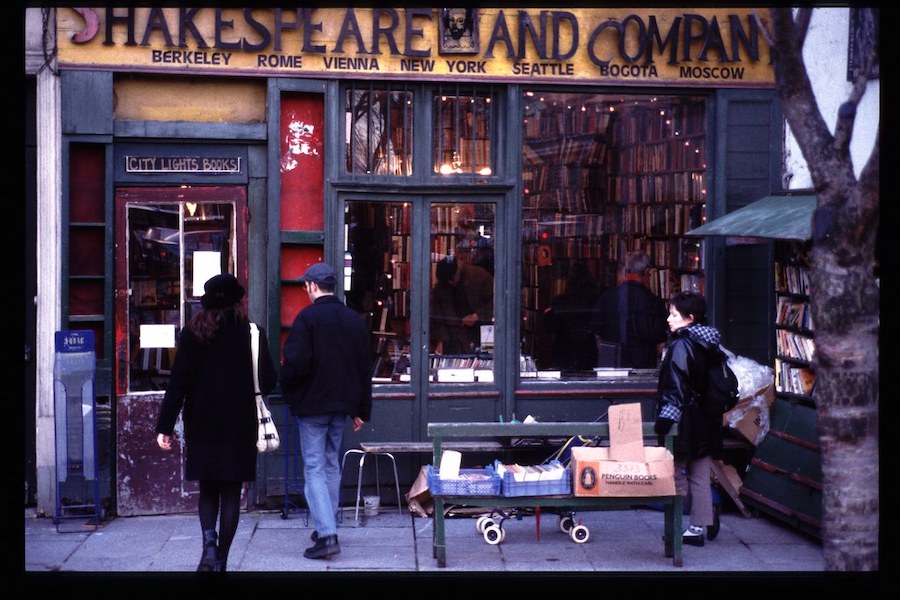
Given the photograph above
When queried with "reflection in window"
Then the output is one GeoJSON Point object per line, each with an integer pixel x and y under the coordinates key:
{"type": "Point", "coordinates": [378, 135]}
{"type": "Point", "coordinates": [172, 250]}
{"type": "Point", "coordinates": [604, 176]}
{"type": "Point", "coordinates": [462, 130]}
{"type": "Point", "coordinates": [378, 255]}
{"type": "Point", "coordinates": [461, 323]}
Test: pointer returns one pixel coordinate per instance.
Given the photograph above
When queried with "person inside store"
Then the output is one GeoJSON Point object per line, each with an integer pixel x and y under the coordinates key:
{"type": "Point", "coordinates": [475, 287]}
{"type": "Point", "coordinates": [569, 320]}
{"type": "Point", "coordinates": [448, 307]}
{"type": "Point", "coordinates": [629, 320]}
{"type": "Point", "coordinates": [326, 379]}
{"type": "Point", "coordinates": [682, 378]}
{"type": "Point", "coordinates": [211, 384]}
{"type": "Point", "coordinates": [483, 255]}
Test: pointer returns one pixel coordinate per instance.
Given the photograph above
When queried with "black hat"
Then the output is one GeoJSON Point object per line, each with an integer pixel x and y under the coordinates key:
{"type": "Point", "coordinates": [222, 291]}
{"type": "Point", "coordinates": [320, 273]}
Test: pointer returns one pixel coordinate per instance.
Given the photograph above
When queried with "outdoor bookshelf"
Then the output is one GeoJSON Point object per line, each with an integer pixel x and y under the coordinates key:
{"type": "Point", "coordinates": [794, 343]}
{"type": "Point", "coordinates": [784, 477]}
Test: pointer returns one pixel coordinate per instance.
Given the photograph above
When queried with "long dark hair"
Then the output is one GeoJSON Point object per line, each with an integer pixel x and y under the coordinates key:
{"type": "Point", "coordinates": [206, 321]}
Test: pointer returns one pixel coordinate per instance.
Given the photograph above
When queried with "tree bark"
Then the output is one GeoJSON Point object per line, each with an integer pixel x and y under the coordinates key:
{"type": "Point", "coordinates": [844, 300]}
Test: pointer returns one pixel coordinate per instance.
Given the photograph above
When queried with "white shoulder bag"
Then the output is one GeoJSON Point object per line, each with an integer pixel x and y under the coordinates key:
{"type": "Point", "coordinates": [267, 435]}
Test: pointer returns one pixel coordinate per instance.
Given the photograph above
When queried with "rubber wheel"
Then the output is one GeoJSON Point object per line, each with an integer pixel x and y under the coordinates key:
{"type": "Point", "coordinates": [579, 534]}
{"type": "Point", "coordinates": [713, 531]}
{"type": "Point", "coordinates": [493, 535]}
{"type": "Point", "coordinates": [481, 523]}
{"type": "Point", "coordinates": [566, 523]}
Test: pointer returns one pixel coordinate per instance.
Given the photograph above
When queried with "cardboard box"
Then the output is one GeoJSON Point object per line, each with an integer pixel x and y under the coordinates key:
{"type": "Point", "coordinates": [595, 474]}
{"type": "Point", "coordinates": [627, 468]}
{"type": "Point", "coordinates": [749, 416]}
{"type": "Point", "coordinates": [626, 432]}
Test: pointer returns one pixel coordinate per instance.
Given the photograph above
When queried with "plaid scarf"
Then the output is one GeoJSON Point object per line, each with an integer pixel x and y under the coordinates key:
{"type": "Point", "coordinates": [704, 333]}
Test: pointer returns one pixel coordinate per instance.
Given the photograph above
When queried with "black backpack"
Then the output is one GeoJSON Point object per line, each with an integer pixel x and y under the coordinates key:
{"type": "Point", "coordinates": [721, 384]}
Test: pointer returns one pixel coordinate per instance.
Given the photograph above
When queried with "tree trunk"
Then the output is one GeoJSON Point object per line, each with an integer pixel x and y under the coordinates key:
{"type": "Point", "coordinates": [844, 299]}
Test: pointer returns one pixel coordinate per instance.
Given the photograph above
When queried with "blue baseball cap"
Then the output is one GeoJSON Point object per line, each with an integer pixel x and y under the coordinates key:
{"type": "Point", "coordinates": [320, 273]}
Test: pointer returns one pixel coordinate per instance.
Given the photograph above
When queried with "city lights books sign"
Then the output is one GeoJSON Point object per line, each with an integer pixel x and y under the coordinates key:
{"type": "Point", "coordinates": [697, 47]}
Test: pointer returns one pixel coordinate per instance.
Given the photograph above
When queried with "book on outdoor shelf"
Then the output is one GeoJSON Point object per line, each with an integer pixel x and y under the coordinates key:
{"type": "Point", "coordinates": [544, 472]}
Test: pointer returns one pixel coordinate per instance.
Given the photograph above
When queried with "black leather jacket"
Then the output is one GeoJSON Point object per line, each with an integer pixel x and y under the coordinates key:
{"type": "Point", "coordinates": [682, 375]}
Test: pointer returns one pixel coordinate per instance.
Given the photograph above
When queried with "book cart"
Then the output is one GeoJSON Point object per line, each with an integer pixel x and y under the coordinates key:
{"type": "Point", "coordinates": [486, 492]}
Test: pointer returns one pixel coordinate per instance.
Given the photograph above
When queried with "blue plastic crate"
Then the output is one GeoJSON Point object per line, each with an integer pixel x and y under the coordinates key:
{"type": "Point", "coordinates": [489, 485]}
{"type": "Point", "coordinates": [543, 487]}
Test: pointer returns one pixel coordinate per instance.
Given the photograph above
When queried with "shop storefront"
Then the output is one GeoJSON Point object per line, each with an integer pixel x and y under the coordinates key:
{"type": "Point", "coordinates": [524, 152]}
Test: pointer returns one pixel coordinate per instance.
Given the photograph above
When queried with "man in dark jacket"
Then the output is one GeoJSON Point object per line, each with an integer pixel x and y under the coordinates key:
{"type": "Point", "coordinates": [326, 377]}
{"type": "Point", "coordinates": [631, 318]}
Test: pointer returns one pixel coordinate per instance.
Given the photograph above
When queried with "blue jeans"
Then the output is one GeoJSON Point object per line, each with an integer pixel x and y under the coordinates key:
{"type": "Point", "coordinates": [321, 440]}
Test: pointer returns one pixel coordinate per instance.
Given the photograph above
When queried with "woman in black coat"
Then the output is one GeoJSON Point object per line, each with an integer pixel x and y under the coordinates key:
{"type": "Point", "coordinates": [682, 378]}
{"type": "Point", "coordinates": [212, 386]}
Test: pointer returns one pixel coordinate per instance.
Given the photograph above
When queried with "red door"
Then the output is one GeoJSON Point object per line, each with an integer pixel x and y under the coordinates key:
{"type": "Point", "coordinates": [169, 241]}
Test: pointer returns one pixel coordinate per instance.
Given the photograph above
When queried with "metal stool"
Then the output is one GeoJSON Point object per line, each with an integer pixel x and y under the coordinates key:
{"type": "Point", "coordinates": [362, 462]}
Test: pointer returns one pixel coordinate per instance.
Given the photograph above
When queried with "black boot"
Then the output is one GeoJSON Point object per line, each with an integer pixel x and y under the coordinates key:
{"type": "Point", "coordinates": [221, 565]}
{"type": "Point", "coordinates": [210, 555]}
{"type": "Point", "coordinates": [323, 548]}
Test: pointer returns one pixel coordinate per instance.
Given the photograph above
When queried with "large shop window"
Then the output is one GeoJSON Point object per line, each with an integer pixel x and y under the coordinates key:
{"type": "Point", "coordinates": [379, 275]}
{"type": "Point", "coordinates": [172, 250]}
{"type": "Point", "coordinates": [605, 175]}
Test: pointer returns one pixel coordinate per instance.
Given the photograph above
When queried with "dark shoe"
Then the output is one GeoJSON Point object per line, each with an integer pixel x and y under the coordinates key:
{"type": "Point", "coordinates": [314, 537]}
{"type": "Point", "coordinates": [210, 555]}
{"type": "Point", "coordinates": [693, 536]}
{"type": "Point", "coordinates": [713, 530]}
{"type": "Point", "coordinates": [221, 566]}
{"type": "Point", "coordinates": [323, 548]}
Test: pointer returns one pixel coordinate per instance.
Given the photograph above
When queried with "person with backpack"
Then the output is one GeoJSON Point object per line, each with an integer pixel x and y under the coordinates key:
{"type": "Point", "coordinates": [691, 351]}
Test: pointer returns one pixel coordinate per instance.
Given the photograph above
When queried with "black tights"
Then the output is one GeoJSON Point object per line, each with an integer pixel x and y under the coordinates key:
{"type": "Point", "coordinates": [224, 495]}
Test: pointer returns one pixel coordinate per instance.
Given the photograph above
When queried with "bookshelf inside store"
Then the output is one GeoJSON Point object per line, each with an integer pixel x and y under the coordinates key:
{"type": "Point", "coordinates": [602, 176]}
{"type": "Point", "coordinates": [377, 257]}
{"type": "Point", "coordinates": [462, 132]}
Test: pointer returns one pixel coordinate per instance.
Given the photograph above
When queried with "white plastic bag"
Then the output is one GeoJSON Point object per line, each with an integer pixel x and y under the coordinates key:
{"type": "Point", "coordinates": [751, 375]}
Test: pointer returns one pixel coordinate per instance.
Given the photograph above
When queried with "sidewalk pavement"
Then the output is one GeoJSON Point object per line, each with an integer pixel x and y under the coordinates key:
{"type": "Point", "coordinates": [396, 542]}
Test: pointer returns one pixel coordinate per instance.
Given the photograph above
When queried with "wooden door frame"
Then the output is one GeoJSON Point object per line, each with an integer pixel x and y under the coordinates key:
{"type": "Point", "coordinates": [150, 481]}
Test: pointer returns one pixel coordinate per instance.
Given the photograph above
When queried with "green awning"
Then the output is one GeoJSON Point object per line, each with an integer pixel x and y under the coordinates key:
{"type": "Point", "coordinates": [775, 217]}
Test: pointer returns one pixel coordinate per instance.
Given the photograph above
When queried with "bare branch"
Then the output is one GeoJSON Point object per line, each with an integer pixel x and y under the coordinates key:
{"type": "Point", "coordinates": [802, 24]}
{"type": "Point", "coordinates": [843, 130]}
{"type": "Point", "coordinates": [795, 91]}
{"type": "Point", "coordinates": [763, 27]}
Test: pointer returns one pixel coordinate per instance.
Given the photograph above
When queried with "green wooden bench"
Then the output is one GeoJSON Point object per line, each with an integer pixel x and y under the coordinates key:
{"type": "Point", "coordinates": [440, 433]}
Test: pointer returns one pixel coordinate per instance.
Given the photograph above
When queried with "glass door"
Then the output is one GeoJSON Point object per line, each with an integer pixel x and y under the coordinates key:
{"type": "Point", "coordinates": [446, 267]}
{"type": "Point", "coordinates": [461, 295]}
{"type": "Point", "coordinates": [173, 241]}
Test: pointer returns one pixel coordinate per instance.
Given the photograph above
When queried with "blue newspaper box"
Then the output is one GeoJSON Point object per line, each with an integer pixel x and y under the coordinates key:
{"type": "Point", "coordinates": [77, 485]}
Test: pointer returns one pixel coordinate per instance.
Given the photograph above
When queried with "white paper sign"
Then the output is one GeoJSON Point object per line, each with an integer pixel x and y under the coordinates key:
{"type": "Point", "coordinates": [157, 336]}
{"type": "Point", "coordinates": [207, 264]}
{"type": "Point", "coordinates": [450, 461]}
